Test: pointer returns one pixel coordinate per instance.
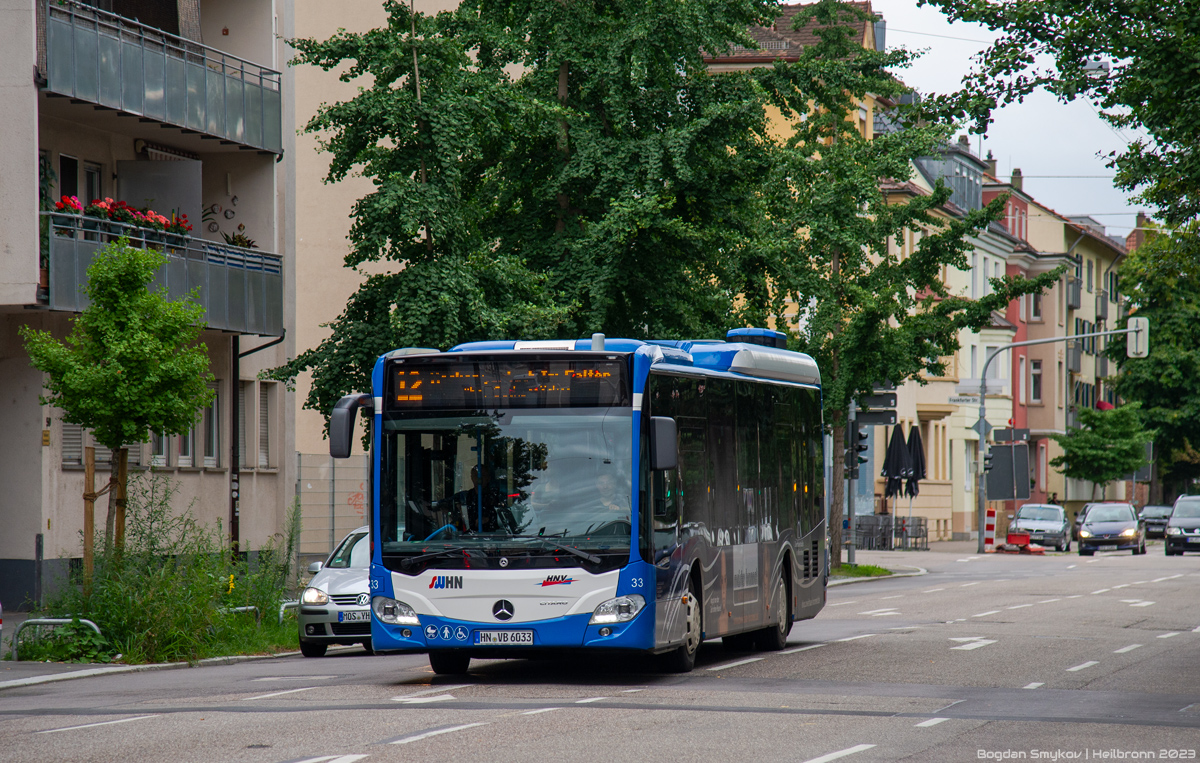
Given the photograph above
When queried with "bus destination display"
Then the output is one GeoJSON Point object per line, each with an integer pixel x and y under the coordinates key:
{"type": "Point", "coordinates": [489, 384]}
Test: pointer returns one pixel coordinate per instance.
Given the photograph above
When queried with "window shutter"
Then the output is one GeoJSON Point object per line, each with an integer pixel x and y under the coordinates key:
{"type": "Point", "coordinates": [242, 424]}
{"type": "Point", "coordinates": [264, 428]}
{"type": "Point", "coordinates": [72, 444]}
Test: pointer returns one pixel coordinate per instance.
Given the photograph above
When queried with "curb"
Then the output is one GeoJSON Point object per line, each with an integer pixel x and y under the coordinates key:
{"type": "Point", "coordinates": [231, 660]}
{"type": "Point", "coordinates": [847, 581]}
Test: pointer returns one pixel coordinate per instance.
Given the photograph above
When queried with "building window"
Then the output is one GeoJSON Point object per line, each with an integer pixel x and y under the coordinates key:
{"type": "Point", "coordinates": [986, 286]}
{"type": "Point", "coordinates": [72, 444]}
{"type": "Point", "coordinates": [1090, 276]}
{"type": "Point", "coordinates": [210, 427]}
{"type": "Point", "coordinates": [1021, 381]}
{"type": "Point", "coordinates": [243, 420]}
{"type": "Point", "coordinates": [1035, 312]}
{"type": "Point", "coordinates": [974, 361]}
{"type": "Point", "coordinates": [158, 449]}
{"type": "Point", "coordinates": [1035, 381]}
{"type": "Point", "coordinates": [68, 176]}
{"type": "Point", "coordinates": [187, 445]}
{"type": "Point", "coordinates": [974, 278]}
{"type": "Point", "coordinates": [92, 186]}
{"type": "Point", "coordinates": [1061, 379]}
{"type": "Point", "coordinates": [264, 426]}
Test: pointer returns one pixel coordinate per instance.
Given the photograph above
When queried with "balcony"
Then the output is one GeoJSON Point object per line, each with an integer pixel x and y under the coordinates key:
{"type": "Point", "coordinates": [241, 290]}
{"type": "Point", "coordinates": [116, 63]}
{"type": "Point", "coordinates": [1073, 418]}
{"type": "Point", "coordinates": [1102, 306]}
{"type": "Point", "coordinates": [1074, 293]}
{"type": "Point", "coordinates": [1074, 356]}
{"type": "Point", "coordinates": [1101, 366]}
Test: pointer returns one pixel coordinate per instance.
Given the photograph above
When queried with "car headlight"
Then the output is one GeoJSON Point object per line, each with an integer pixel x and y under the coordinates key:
{"type": "Point", "coordinates": [314, 596]}
{"type": "Point", "coordinates": [1132, 531]}
{"type": "Point", "coordinates": [1174, 531]}
{"type": "Point", "coordinates": [1084, 534]}
{"type": "Point", "coordinates": [394, 612]}
{"type": "Point", "coordinates": [619, 610]}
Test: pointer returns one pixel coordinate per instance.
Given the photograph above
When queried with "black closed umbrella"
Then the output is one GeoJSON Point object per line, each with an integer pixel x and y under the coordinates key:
{"type": "Point", "coordinates": [916, 457]}
{"type": "Point", "coordinates": [896, 464]}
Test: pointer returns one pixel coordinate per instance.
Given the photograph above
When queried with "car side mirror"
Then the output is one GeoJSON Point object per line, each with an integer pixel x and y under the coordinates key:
{"type": "Point", "coordinates": [315, 567]}
{"type": "Point", "coordinates": [663, 447]}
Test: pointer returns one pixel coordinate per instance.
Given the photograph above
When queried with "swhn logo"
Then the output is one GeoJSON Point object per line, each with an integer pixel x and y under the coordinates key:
{"type": "Point", "coordinates": [446, 581]}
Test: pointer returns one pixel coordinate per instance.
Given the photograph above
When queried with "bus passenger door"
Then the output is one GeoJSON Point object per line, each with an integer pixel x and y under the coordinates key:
{"type": "Point", "coordinates": [671, 574]}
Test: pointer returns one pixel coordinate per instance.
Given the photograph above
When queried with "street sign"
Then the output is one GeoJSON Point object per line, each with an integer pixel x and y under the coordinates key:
{"type": "Point", "coordinates": [877, 401]}
{"type": "Point", "coordinates": [1138, 340]}
{"type": "Point", "coordinates": [1008, 478]}
{"type": "Point", "coordinates": [884, 386]}
{"type": "Point", "coordinates": [982, 427]}
{"type": "Point", "coordinates": [877, 418]}
{"type": "Point", "coordinates": [964, 400]}
{"type": "Point", "coordinates": [1011, 435]}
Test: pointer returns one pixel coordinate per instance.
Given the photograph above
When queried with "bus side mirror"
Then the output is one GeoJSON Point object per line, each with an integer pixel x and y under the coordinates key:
{"type": "Point", "coordinates": [341, 423]}
{"type": "Point", "coordinates": [663, 453]}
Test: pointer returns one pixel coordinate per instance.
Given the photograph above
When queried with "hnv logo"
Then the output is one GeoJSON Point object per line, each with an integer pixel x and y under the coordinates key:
{"type": "Point", "coordinates": [446, 581]}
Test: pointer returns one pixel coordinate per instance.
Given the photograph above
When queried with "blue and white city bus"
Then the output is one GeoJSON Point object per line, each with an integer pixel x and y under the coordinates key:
{"type": "Point", "coordinates": [603, 494]}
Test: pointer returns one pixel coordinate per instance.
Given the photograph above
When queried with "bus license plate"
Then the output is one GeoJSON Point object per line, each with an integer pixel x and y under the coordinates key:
{"type": "Point", "coordinates": [503, 638]}
{"type": "Point", "coordinates": [354, 617]}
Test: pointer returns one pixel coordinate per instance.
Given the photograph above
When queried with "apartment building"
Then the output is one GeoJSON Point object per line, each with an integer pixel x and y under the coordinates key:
{"type": "Point", "coordinates": [182, 107]}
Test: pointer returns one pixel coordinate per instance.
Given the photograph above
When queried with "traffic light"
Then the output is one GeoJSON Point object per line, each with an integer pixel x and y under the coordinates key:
{"type": "Point", "coordinates": [987, 461]}
{"type": "Point", "coordinates": [856, 446]}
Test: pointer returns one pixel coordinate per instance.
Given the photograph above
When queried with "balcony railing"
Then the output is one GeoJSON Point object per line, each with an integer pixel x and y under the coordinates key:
{"type": "Point", "coordinates": [1074, 293]}
{"type": "Point", "coordinates": [112, 61]}
{"type": "Point", "coordinates": [1101, 366]}
{"type": "Point", "coordinates": [240, 289]}
{"type": "Point", "coordinates": [1102, 306]}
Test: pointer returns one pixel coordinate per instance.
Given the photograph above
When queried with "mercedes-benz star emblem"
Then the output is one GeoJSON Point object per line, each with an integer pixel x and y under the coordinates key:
{"type": "Point", "coordinates": [504, 561]}
{"type": "Point", "coordinates": [364, 599]}
{"type": "Point", "coordinates": [502, 610]}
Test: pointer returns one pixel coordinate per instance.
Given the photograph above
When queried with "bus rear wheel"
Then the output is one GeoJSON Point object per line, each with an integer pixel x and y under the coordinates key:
{"type": "Point", "coordinates": [774, 638]}
{"type": "Point", "coordinates": [682, 658]}
{"type": "Point", "coordinates": [449, 663]}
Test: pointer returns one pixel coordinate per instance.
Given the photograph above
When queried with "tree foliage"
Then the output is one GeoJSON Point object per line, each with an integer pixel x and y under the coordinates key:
{"type": "Point", "coordinates": [1154, 51]}
{"type": "Point", "coordinates": [1108, 445]}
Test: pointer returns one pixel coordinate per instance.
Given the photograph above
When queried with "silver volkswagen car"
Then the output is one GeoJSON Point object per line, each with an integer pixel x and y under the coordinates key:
{"type": "Point", "coordinates": [335, 608]}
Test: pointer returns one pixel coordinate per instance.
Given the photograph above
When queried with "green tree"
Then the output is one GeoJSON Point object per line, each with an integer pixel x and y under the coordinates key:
{"type": "Point", "coordinates": [1107, 446]}
{"type": "Point", "coordinates": [131, 365]}
{"type": "Point", "coordinates": [1161, 281]}
{"type": "Point", "coordinates": [1153, 48]}
{"type": "Point", "coordinates": [865, 314]}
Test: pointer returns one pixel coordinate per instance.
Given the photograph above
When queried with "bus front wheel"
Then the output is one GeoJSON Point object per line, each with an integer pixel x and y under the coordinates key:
{"type": "Point", "coordinates": [683, 658]}
{"type": "Point", "coordinates": [449, 663]}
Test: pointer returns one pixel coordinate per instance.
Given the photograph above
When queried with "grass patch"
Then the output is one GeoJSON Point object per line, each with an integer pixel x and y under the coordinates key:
{"type": "Point", "coordinates": [860, 571]}
{"type": "Point", "coordinates": [170, 594]}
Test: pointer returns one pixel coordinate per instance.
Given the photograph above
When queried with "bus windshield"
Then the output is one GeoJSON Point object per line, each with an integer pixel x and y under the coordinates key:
{"type": "Point", "coordinates": [515, 484]}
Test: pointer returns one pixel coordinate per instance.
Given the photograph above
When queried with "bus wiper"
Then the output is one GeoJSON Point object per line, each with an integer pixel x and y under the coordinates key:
{"type": "Point", "coordinates": [412, 561]}
{"type": "Point", "coordinates": [570, 550]}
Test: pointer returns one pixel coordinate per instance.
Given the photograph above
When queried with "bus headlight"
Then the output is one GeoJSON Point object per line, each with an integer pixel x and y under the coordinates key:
{"type": "Point", "coordinates": [619, 610]}
{"type": "Point", "coordinates": [394, 612]}
{"type": "Point", "coordinates": [314, 596]}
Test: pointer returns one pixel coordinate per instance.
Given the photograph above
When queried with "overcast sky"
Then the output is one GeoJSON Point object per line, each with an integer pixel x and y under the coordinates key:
{"type": "Point", "coordinates": [1040, 136]}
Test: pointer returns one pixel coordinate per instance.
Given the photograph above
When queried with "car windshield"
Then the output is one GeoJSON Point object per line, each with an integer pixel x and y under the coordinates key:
{"type": "Point", "coordinates": [1040, 513]}
{"type": "Point", "coordinates": [1110, 514]}
{"type": "Point", "coordinates": [1156, 511]}
{"type": "Point", "coordinates": [514, 479]}
{"type": "Point", "coordinates": [353, 553]}
{"type": "Point", "coordinates": [1189, 509]}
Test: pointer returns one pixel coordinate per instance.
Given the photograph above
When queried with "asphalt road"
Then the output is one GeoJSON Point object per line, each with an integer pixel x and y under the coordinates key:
{"type": "Point", "coordinates": [1000, 657]}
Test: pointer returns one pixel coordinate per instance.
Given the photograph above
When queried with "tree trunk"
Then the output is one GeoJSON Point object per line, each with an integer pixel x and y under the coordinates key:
{"type": "Point", "coordinates": [122, 483]}
{"type": "Point", "coordinates": [110, 520]}
{"type": "Point", "coordinates": [837, 495]}
{"type": "Point", "coordinates": [564, 146]}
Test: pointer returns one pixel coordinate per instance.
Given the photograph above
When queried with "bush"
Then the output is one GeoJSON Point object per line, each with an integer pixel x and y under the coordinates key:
{"type": "Point", "coordinates": [171, 593]}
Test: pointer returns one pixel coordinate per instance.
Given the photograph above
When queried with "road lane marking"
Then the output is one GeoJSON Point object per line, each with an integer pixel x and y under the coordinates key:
{"type": "Point", "coordinates": [1123, 585]}
{"type": "Point", "coordinates": [1102, 590]}
{"type": "Point", "coordinates": [854, 638]}
{"type": "Point", "coordinates": [597, 699]}
{"type": "Point", "coordinates": [1087, 664]}
{"type": "Point", "coordinates": [1143, 604]}
{"type": "Point", "coordinates": [436, 732]}
{"type": "Point", "coordinates": [964, 585]}
{"type": "Point", "coordinates": [1125, 649]}
{"type": "Point", "coordinates": [1076, 596]}
{"type": "Point", "coordinates": [334, 759]}
{"type": "Point", "coordinates": [424, 700]}
{"type": "Point", "coordinates": [1034, 685]}
{"type": "Point", "coordinates": [1047, 601]}
{"type": "Point", "coordinates": [1019, 606]}
{"type": "Point", "coordinates": [1196, 629]}
{"type": "Point", "coordinates": [931, 722]}
{"type": "Point", "coordinates": [885, 598]}
{"type": "Point", "coordinates": [876, 611]}
{"type": "Point", "coordinates": [631, 691]}
{"type": "Point", "coordinates": [278, 693]}
{"type": "Point", "coordinates": [801, 649]}
{"type": "Point", "coordinates": [1072, 566]}
{"type": "Point", "coordinates": [434, 690]}
{"type": "Point", "coordinates": [1139, 582]}
{"type": "Point", "coordinates": [739, 662]}
{"type": "Point", "coordinates": [975, 644]}
{"type": "Point", "coordinates": [294, 678]}
{"type": "Point", "coordinates": [985, 614]}
{"type": "Point", "coordinates": [99, 723]}
{"type": "Point", "coordinates": [840, 753]}
{"type": "Point", "coordinates": [843, 603]}
{"type": "Point", "coordinates": [967, 638]}
{"type": "Point", "coordinates": [1169, 635]}
{"type": "Point", "coordinates": [884, 614]}
{"type": "Point", "coordinates": [933, 590]}
{"type": "Point", "coordinates": [1170, 577]}
{"type": "Point", "coordinates": [543, 710]}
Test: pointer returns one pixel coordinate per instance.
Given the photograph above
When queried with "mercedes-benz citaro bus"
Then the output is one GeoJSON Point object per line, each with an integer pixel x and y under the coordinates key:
{"type": "Point", "coordinates": [596, 495]}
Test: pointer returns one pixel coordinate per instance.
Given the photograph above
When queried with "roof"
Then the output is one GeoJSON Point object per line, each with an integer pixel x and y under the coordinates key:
{"type": "Point", "coordinates": [780, 41]}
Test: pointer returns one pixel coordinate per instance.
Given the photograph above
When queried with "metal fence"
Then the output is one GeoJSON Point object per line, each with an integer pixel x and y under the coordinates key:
{"type": "Point", "coordinates": [886, 532]}
{"type": "Point", "coordinates": [334, 499]}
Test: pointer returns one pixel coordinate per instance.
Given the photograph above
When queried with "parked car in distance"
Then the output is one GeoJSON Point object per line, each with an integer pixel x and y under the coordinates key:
{"type": "Point", "coordinates": [1113, 526]}
{"type": "Point", "coordinates": [335, 608]}
{"type": "Point", "coordinates": [1183, 526]}
{"type": "Point", "coordinates": [1046, 524]}
{"type": "Point", "coordinates": [1155, 518]}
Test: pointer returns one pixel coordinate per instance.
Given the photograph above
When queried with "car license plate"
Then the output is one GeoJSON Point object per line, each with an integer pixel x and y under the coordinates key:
{"type": "Point", "coordinates": [1195, 539]}
{"type": "Point", "coordinates": [354, 617]}
{"type": "Point", "coordinates": [503, 638]}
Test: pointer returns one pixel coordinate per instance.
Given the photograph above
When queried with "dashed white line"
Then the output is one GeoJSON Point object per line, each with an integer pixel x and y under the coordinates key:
{"type": "Point", "coordinates": [1123, 585]}
{"type": "Point", "coordinates": [434, 690]}
{"type": "Point", "coordinates": [877, 611]}
{"type": "Point", "coordinates": [1034, 685]}
{"type": "Point", "coordinates": [975, 644]}
{"type": "Point", "coordinates": [278, 693]}
{"type": "Point", "coordinates": [1072, 566]}
{"type": "Point", "coordinates": [335, 759]}
{"type": "Point", "coordinates": [1102, 590]}
{"type": "Point", "coordinates": [597, 699]}
{"type": "Point", "coordinates": [931, 722]}
{"type": "Point", "coordinates": [985, 614]}
{"type": "Point", "coordinates": [1048, 601]}
{"type": "Point", "coordinates": [1087, 664]}
{"type": "Point", "coordinates": [840, 753]}
{"type": "Point", "coordinates": [436, 732]}
{"type": "Point", "coordinates": [843, 603]}
{"type": "Point", "coordinates": [855, 638]}
{"type": "Point", "coordinates": [543, 710]}
{"type": "Point", "coordinates": [1169, 577]}
{"type": "Point", "coordinates": [424, 700]}
{"type": "Point", "coordinates": [1125, 649]}
{"type": "Point", "coordinates": [801, 649]}
{"type": "Point", "coordinates": [1091, 561]}
{"type": "Point", "coordinates": [98, 723]}
{"type": "Point", "coordinates": [1169, 635]}
{"type": "Point", "coordinates": [976, 582]}
{"type": "Point", "coordinates": [1139, 582]}
{"type": "Point", "coordinates": [885, 598]}
{"type": "Point", "coordinates": [631, 691]}
{"type": "Point", "coordinates": [739, 662]}
{"type": "Point", "coordinates": [934, 590]}
{"type": "Point", "coordinates": [1143, 604]}
{"type": "Point", "coordinates": [1196, 630]}
{"type": "Point", "coordinates": [1019, 606]}
{"type": "Point", "coordinates": [1076, 596]}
